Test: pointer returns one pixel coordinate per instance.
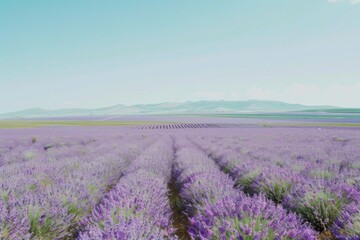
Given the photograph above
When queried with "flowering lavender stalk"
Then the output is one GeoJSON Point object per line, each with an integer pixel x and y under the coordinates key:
{"type": "Point", "coordinates": [138, 206]}
{"type": "Point", "coordinates": [218, 211]}
{"type": "Point", "coordinates": [293, 172]}
{"type": "Point", "coordinates": [46, 196]}
{"type": "Point", "coordinates": [347, 226]}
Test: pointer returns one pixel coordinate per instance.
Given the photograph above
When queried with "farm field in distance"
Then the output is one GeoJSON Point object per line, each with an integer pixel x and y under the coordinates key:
{"type": "Point", "coordinates": [149, 177]}
{"type": "Point", "coordinates": [65, 122]}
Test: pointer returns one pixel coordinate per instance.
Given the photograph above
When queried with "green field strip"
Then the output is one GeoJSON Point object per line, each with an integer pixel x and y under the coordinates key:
{"type": "Point", "coordinates": [48, 123]}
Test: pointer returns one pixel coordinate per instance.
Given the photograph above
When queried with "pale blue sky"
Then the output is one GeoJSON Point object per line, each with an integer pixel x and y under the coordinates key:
{"type": "Point", "coordinates": [87, 53]}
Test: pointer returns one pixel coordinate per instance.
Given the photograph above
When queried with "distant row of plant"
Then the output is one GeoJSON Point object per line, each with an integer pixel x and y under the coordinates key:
{"type": "Point", "coordinates": [177, 126]}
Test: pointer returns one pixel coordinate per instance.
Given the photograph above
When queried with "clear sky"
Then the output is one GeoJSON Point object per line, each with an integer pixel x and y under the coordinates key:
{"type": "Point", "coordinates": [87, 53]}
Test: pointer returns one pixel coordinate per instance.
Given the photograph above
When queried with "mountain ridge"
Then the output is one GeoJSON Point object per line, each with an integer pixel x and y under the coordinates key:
{"type": "Point", "coordinates": [188, 107]}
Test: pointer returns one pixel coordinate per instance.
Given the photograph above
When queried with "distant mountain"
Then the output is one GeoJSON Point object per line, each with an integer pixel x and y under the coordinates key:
{"type": "Point", "coordinates": [336, 110]}
{"type": "Point", "coordinates": [197, 107]}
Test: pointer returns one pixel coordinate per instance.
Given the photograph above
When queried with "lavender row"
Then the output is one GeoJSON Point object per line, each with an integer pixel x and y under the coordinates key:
{"type": "Point", "coordinates": [138, 206]}
{"type": "Point", "coordinates": [218, 211]}
{"type": "Point", "coordinates": [14, 151]}
{"type": "Point", "coordinates": [320, 183]}
{"type": "Point", "coordinates": [177, 126]}
{"type": "Point", "coordinates": [47, 196]}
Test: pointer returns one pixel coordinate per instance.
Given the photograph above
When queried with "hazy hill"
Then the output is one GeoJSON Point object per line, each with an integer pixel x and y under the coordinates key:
{"type": "Point", "coordinates": [197, 107]}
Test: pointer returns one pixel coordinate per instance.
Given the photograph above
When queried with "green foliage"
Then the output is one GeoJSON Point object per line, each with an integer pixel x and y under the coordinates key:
{"type": "Point", "coordinates": [324, 174]}
{"type": "Point", "coordinates": [277, 190]}
{"type": "Point", "coordinates": [351, 180]}
{"type": "Point", "coordinates": [41, 226]}
{"type": "Point", "coordinates": [29, 155]}
{"type": "Point", "coordinates": [45, 181]}
{"type": "Point", "coordinates": [101, 225]}
{"type": "Point", "coordinates": [75, 166]}
{"type": "Point", "coordinates": [125, 213]}
{"type": "Point", "coordinates": [5, 196]}
{"type": "Point", "coordinates": [228, 168]}
{"type": "Point", "coordinates": [298, 168]}
{"type": "Point", "coordinates": [4, 232]}
{"type": "Point", "coordinates": [353, 229]}
{"type": "Point", "coordinates": [32, 187]}
{"type": "Point", "coordinates": [355, 165]}
{"type": "Point", "coordinates": [340, 139]}
{"type": "Point", "coordinates": [93, 189]}
{"type": "Point", "coordinates": [114, 215]}
{"type": "Point", "coordinates": [257, 224]}
{"type": "Point", "coordinates": [279, 164]}
{"type": "Point", "coordinates": [321, 209]}
{"type": "Point", "coordinates": [246, 181]}
{"type": "Point", "coordinates": [73, 209]}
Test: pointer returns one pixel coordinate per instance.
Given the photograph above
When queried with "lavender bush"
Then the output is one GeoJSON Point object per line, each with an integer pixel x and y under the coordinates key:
{"type": "Point", "coordinates": [219, 211]}
{"type": "Point", "coordinates": [314, 180]}
{"type": "Point", "coordinates": [48, 195]}
{"type": "Point", "coordinates": [137, 207]}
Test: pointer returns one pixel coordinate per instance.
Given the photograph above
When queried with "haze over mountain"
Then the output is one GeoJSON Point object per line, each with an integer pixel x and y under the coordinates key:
{"type": "Point", "coordinates": [189, 107]}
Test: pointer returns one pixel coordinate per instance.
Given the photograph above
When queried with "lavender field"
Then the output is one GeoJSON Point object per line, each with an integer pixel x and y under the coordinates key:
{"type": "Point", "coordinates": [180, 181]}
